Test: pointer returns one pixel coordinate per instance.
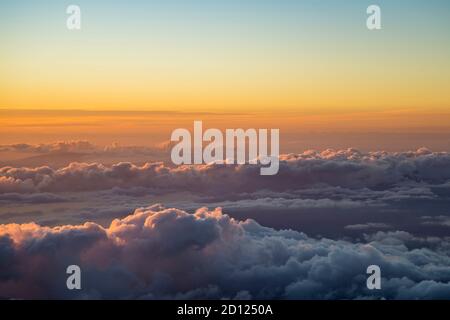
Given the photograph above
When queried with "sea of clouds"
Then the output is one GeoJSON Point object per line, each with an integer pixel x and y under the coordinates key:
{"type": "Point", "coordinates": [346, 168]}
{"type": "Point", "coordinates": [174, 253]}
{"type": "Point", "coordinates": [159, 253]}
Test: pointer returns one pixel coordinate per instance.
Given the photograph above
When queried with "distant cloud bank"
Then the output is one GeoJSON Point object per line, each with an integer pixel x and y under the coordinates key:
{"type": "Point", "coordinates": [346, 168]}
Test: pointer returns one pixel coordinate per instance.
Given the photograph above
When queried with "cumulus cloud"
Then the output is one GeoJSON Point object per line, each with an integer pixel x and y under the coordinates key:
{"type": "Point", "coordinates": [168, 253]}
{"type": "Point", "coordinates": [348, 169]}
{"type": "Point", "coordinates": [317, 192]}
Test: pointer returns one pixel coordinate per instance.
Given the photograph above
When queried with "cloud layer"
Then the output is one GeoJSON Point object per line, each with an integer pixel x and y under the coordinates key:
{"type": "Point", "coordinates": [347, 169]}
{"type": "Point", "coordinates": [168, 253]}
{"type": "Point", "coordinates": [82, 146]}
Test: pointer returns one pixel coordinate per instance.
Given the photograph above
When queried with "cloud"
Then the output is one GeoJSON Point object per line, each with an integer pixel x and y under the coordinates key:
{"type": "Point", "coordinates": [369, 225]}
{"type": "Point", "coordinates": [31, 198]}
{"type": "Point", "coordinates": [348, 169]}
{"type": "Point", "coordinates": [167, 253]}
{"type": "Point", "coordinates": [316, 192]}
{"type": "Point", "coordinates": [84, 146]}
{"type": "Point", "coordinates": [274, 203]}
{"type": "Point", "coordinates": [61, 146]}
{"type": "Point", "coordinates": [436, 221]}
{"type": "Point", "coordinates": [27, 214]}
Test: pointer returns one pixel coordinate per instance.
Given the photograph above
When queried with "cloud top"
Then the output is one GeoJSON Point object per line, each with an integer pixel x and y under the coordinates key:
{"type": "Point", "coordinates": [168, 253]}
{"type": "Point", "coordinates": [346, 168]}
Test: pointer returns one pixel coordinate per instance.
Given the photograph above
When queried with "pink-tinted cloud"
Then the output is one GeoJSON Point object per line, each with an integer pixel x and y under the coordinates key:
{"type": "Point", "coordinates": [168, 253]}
{"type": "Point", "coordinates": [346, 168]}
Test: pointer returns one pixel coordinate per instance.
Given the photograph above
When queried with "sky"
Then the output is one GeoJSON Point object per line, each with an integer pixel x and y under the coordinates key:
{"type": "Point", "coordinates": [203, 55]}
{"type": "Point", "coordinates": [85, 170]}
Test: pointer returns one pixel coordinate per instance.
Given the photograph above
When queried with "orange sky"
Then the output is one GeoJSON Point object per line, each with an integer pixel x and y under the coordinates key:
{"type": "Point", "coordinates": [393, 130]}
{"type": "Point", "coordinates": [303, 68]}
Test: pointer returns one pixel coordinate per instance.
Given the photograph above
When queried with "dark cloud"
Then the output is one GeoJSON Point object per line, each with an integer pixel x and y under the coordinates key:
{"type": "Point", "coordinates": [21, 215]}
{"type": "Point", "coordinates": [31, 198]}
{"type": "Point", "coordinates": [168, 253]}
{"type": "Point", "coordinates": [436, 221]}
{"type": "Point", "coordinates": [317, 192]}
